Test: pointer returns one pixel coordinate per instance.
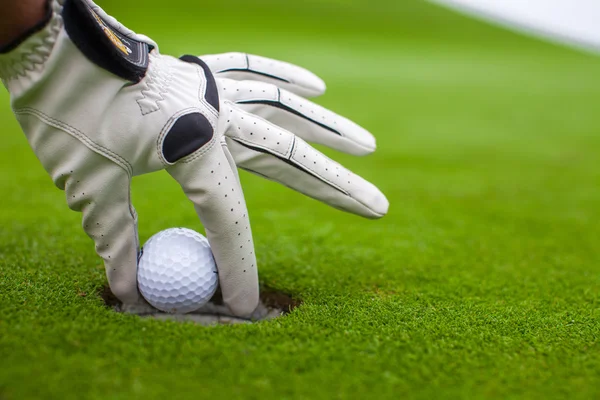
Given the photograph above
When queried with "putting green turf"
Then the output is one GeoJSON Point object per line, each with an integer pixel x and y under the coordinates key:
{"type": "Point", "coordinates": [483, 281]}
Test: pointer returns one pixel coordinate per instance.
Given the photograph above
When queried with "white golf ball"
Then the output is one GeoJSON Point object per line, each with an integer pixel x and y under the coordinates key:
{"type": "Point", "coordinates": [177, 272]}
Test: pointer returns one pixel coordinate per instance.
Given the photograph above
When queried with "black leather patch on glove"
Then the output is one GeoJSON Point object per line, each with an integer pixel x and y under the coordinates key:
{"type": "Point", "coordinates": [104, 45]}
{"type": "Point", "coordinates": [212, 92]}
{"type": "Point", "coordinates": [188, 134]}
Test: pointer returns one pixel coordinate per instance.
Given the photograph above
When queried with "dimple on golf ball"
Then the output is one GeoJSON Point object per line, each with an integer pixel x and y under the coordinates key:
{"type": "Point", "coordinates": [177, 272]}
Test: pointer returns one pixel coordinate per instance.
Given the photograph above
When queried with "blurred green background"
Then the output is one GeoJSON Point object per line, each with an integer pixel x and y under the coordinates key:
{"type": "Point", "coordinates": [482, 282]}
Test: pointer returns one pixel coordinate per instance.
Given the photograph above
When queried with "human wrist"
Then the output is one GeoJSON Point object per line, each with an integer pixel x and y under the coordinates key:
{"type": "Point", "coordinates": [20, 19]}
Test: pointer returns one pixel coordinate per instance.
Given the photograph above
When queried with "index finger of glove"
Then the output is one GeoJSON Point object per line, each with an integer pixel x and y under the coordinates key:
{"type": "Point", "coordinates": [210, 183]}
{"type": "Point", "coordinates": [242, 66]}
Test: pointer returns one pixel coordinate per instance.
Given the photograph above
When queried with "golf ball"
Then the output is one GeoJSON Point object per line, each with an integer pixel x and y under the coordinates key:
{"type": "Point", "coordinates": [177, 272]}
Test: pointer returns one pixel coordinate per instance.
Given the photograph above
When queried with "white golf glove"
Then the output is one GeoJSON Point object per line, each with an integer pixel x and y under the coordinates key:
{"type": "Point", "coordinates": [99, 105]}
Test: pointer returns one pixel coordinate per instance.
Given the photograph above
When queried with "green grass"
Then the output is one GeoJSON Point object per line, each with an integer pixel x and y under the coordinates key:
{"type": "Point", "coordinates": [482, 282]}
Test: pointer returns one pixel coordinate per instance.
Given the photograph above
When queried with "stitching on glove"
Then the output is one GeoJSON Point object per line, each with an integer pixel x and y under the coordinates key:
{"type": "Point", "coordinates": [189, 133]}
{"type": "Point", "coordinates": [33, 52]}
{"type": "Point", "coordinates": [202, 88]}
{"type": "Point", "coordinates": [208, 94]}
{"type": "Point", "coordinates": [166, 129]}
{"type": "Point", "coordinates": [248, 69]}
{"type": "Point", "coordinates": [157, 83]}
{"type": "Point", "coordinates": [194, 156]}
{"type": "Point", "coordinates": [214, 113]}
{"type": "Point", "coordinates": [273, 151]}
{"type": "Point", "coordinates": [344, 209]}
{"type": "Point", "coordinates": [315, 173]}
{"type": "Point", "coordinates": [294, 164]}
{"type": "Point", "coordinates": [279, 104]}
{"type": "Point", "coordinates": [86, 141]}
{"type": "Point", "coordinates": [266, 146]}
{"type": "Point", "coordinates": [163, 133]}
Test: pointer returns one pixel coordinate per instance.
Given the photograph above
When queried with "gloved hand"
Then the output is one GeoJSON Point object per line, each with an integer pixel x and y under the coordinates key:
{"type": "Point", "coordinates": [99, 105]}
{"type": "Point", "coordinates": [270, 92]}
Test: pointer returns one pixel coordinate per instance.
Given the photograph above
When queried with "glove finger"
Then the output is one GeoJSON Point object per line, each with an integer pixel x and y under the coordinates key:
{"type": "Point", "coordinates": [98, 187]}
{"type": "Point", "coordinates": [210, 183]}
{"type": "Point", "coordinates": [274, 153]}
{"type": "Point", "coordinates": [306, 119]}
{"type": "Point", "coordinates": [102, 193]}
{"type": "Point", "coordinates": [242, 66]}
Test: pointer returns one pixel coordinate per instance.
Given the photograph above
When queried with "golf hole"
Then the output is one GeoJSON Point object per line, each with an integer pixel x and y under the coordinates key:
{"type": "Point", "coordinates": [273, 304]}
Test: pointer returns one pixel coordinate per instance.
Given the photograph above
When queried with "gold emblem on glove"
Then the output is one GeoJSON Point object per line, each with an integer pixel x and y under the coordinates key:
{"type": "Point", "coordinates": [111, 35]}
